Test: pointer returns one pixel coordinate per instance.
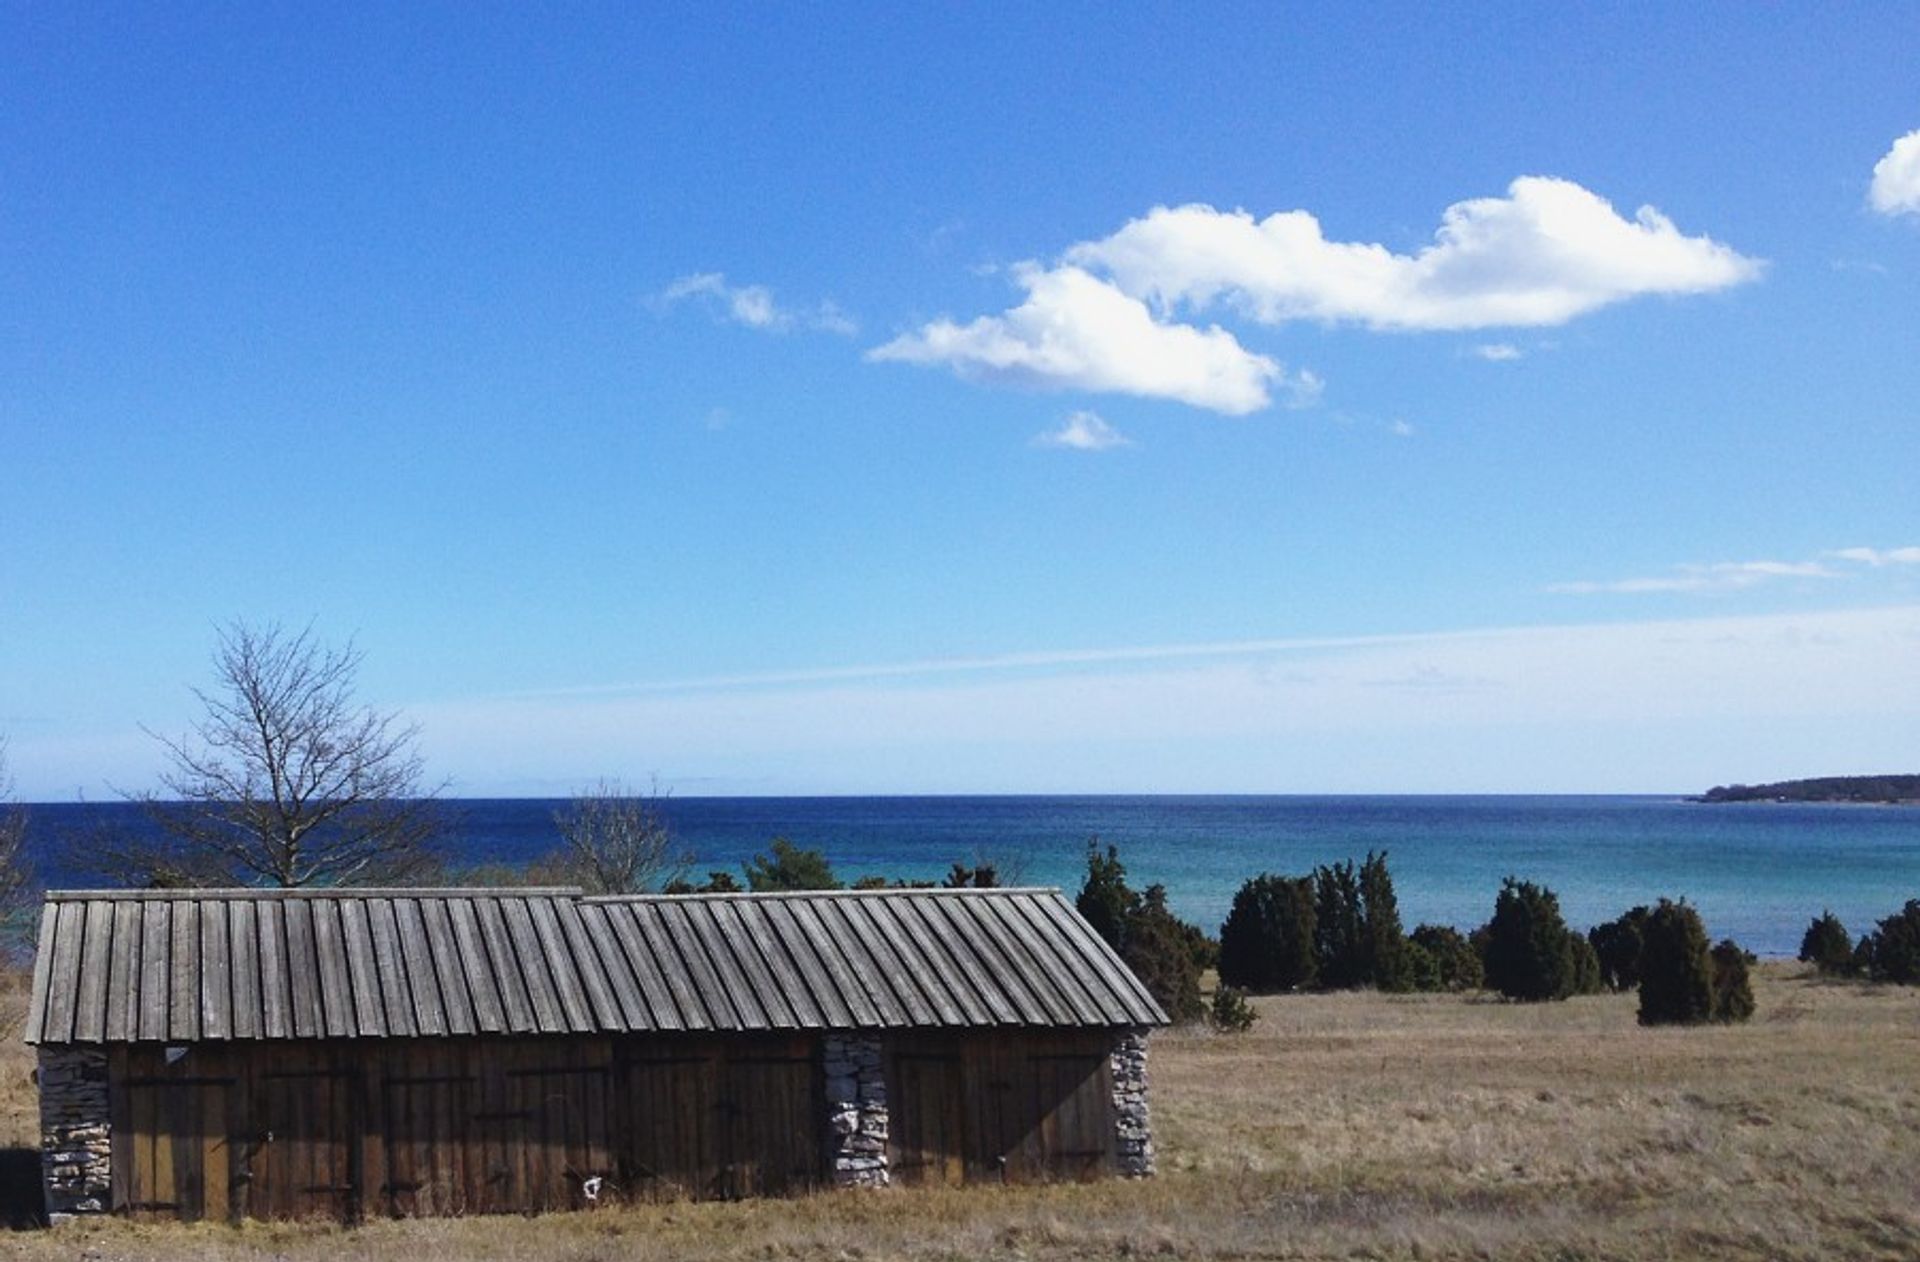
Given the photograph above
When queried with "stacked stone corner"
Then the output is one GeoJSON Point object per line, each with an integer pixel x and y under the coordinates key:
{"type": "Point", "coordinates": [1132, 1120]}
{"type": "Point", "coordinates": [856, 1090]}
{"type": "Point", "coordinates": [76, 1141]}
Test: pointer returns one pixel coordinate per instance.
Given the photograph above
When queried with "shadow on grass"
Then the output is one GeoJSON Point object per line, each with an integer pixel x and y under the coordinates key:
{"type": "Point", "coordinates": [22, 1208]}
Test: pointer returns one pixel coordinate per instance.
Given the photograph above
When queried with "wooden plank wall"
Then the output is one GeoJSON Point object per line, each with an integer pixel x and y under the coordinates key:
{"type": "Point", "coordinates": [1013, 1107]}
{"type": "Point", "coordinates": [346, 1130]}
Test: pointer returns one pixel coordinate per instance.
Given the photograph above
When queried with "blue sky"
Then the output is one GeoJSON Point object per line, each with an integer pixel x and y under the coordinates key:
{"type": "Point", "coordinates": [1167, 399]}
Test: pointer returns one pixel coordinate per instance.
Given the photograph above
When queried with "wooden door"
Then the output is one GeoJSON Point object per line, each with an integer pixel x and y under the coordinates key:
{"type": "Point", "coordinates": [1073, 1106]}
{"type": "Point", "coordinates": [428, 1125]}
{"type": "Point", "coordinates": [566, 1163]}
{"type": "Point", "coordinates": [668, 1147]}
{"type": "Point", "coordinates": [927, 1136]}
{"type": "Point", "coordinates": [301, 1155]}
{"type": "Point", "coordinates": [172, 1147]}
{"type": "Point", "coordinates": [768, 1117]}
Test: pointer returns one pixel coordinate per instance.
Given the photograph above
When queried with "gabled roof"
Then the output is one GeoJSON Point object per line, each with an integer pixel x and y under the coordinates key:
{"type": "Point", "coordinates": [122, 966]}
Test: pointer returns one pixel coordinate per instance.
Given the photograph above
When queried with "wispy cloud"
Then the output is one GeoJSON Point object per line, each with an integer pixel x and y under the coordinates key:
{"type": "Point", "coordinates": [1877, 557]}
{"type": "Point", "coordinates": [752, 306]}
{"type": "Point", "coordinates": [1498, 352]}
{"type": "Point", "coordinates": [1671, 701]}
{"type": "Point", "coordinates": [1728, 576]}
{"type": "Point", "coordinates": [1896, 178]}
{"type": "Point", "coordinates": [1083, 431]}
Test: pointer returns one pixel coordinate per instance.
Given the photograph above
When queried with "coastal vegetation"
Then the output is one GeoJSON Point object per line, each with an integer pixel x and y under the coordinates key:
{"type": "Point", "coordinates": [1893, 788]}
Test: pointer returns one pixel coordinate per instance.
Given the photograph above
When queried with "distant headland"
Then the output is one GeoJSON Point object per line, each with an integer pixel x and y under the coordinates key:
{"type": "Point", "coordinates": [1904, 789]}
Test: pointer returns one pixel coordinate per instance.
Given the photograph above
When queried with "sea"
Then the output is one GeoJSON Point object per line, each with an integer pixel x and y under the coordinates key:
{"type": "Point", "coordinates": [1757, 871]}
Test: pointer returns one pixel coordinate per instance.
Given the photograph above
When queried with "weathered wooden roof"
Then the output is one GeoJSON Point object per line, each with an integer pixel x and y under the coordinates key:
{"type": "Point", "coordinates": [121, 966]}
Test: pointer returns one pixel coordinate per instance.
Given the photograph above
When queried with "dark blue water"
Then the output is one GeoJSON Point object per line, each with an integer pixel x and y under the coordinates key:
{"type": "Point", "coordinates": [1757, 871]}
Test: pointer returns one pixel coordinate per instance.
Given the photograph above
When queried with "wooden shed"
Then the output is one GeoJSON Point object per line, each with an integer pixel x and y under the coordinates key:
{"type": "Point", "coordinates": [345, 1053]}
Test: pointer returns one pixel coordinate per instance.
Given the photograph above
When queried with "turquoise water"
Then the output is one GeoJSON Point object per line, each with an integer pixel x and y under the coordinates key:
{"type": "Point", "coordinates": [1757, 871]}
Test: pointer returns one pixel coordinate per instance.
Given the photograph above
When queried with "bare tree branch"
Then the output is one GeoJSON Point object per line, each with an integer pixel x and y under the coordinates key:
{"type": "Point", "coordinates": [615, 841]}
{"type": "Point", "coordinates": [288, 780]}
{"type": "Point", "coordinates": [16, 868]}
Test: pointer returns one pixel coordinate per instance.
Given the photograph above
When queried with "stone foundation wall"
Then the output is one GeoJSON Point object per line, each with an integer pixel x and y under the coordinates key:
{"type": "Point", "coordinates": [76, 1153]}
{"type": "Point", "coordinates": [1133, 1123]}
{"type": "Point", "coordinates": [856, 1110]}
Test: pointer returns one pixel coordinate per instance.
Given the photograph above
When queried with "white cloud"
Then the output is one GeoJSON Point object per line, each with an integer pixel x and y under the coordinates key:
{"type": "Point", "coordinates": [1877, 557]}
{"type": "Point", "coordinates": [1896, 178]}
{"type": "Point", "coordinates": [1498, 352]}
{"type": "Point", "coordinates": [752, 305]}
{"type": "Point", "coordinates": [1400, 428]}
{"type": "Point", "coordinates": [1084, 431]}
{"type": "Point", "coordinates": [1076, 331]}
{"type": "Point", "coordinates": [1547, 252]}
{"type": "Point", "coordinates": [1723, 576]}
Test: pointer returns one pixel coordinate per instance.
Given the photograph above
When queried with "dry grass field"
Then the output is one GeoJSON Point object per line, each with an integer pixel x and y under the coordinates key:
{"type": "Point", "coordinates": [1342, 1126]}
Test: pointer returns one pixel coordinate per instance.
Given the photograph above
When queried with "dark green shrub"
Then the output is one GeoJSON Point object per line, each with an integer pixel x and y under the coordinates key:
{"type": "Point", "coordinates": [1676, 969]}
{"type": "Point", "coordinates": [1894, 952]}
{"type": "Point", "coordinates": [1732, 987]}
{"type": "Point", "coordinates": [1617, 944]}
{"type": "Point", "coordinates": [1163, 951]}
{"type": "Point", "coordinates": [1384, 942]}
{"type": "Point", "coordinates": [1586, 965]}
{"type": "Point", "coordinates": [1827, 946]}
{"type": "Point", "coordinates": [1529, 951]}
{"type": "Point", "coordinates": [1104, 898]}
{"type": "Point", "coordinates": [1455, 962]}
{"type": "Point", "coordinates": [1159, 953]}
{"type": "Point", "coordinates": [1267, 942]}
{"type": "Point", "coordinates": [786, 866]}
{"type": "Point", "coordinates": [1231, 1012]}
{"type": "Point", "coordinates": [1339, 927]}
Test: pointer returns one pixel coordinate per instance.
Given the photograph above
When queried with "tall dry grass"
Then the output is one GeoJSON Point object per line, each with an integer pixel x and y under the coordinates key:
{"type": "Point", "coordinates": [1343, 1126]}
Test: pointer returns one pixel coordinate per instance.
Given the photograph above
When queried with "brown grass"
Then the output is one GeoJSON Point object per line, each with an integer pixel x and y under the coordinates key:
{"type": "Point", "coordinates": [1343, 1126]}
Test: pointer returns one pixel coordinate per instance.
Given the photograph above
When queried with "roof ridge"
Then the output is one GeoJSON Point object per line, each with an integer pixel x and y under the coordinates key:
{"type": "Point", "coordinates": [894, 891]}
{"type": "Point", "coordinates": [235, 893]}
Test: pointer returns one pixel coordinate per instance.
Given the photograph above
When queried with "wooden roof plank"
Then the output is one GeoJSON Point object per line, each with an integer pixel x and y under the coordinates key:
{"type": "Point", "coordinates": [860, 1005]}
{"type": "Point", "coordinates": [548, 1018]}
{"type": "Point", "coordinates": [243, 959]}
{"type": "Point", "coordinates": [735, 983]}
{"type": "Point", "coordinates": [123, 979]}
{"type": "Point", "coordinates": [156, 951]}
{"type": "Point", "coordinates": [455, 1003]}
{"type": "Point", "coordinates": [504, 962]}
{"type": "Point", "coordinates": [1076, 980]}
{"type": "Point", "coordinates": [587, 961]}
{"type": "Point", "coordinates": [951, 970]}
{"type": "Point", "coordinates": [1112, 985]}
{"type": "Point", "coordinates": [43, 977]}
{"type": "Point", "coordinates": [707, 987]}
{"type": "Point", "coordinates": [745, 925]}
{"type": "Point", "coordinates": [568, 985]}
{"type": "Point", "coordinates": [483, 987]}
{"type": "Point", "coordinates": [363, 970]}
{"type": "Point", "coordinates": [306, 982]}
{"type": "Point", "coordinates": [873, 975]}
{"type": "Point", "coordinates": [1037, 964]}
{"type": "Point", "coordinates": [595, 924]}
{"type": "Point", "coordinates": [96, 962]}
{"type": "Point", "coordinates": [978, 965]}
{"type": "Point", "coordinates": [915, 960]}
{"type": "Point", "coordinates": [866, 917]}
{"type": "Point", "coordinates": [215, 973]}
{"type": "Point", "coordinates": [183, 996]}
{"type": "Point", "coordinates": [276, 1000]}
{"type": "Point", "coordinates": [423, 979]}
{"type": "Point", "coordinates": [798, 949]}
{"type": "Point", "coordinates": [69, 937]}
{"type": "Point", "coordinates": [659, 985]}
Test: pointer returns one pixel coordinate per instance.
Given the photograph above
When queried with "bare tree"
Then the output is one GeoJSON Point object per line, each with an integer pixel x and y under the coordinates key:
{"type": "Point", "coordinates": [16, 869]}
{"type": "Point", "coordinates": [616, 841]}
{"type": "Point", "coordinates": [288, 780]}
